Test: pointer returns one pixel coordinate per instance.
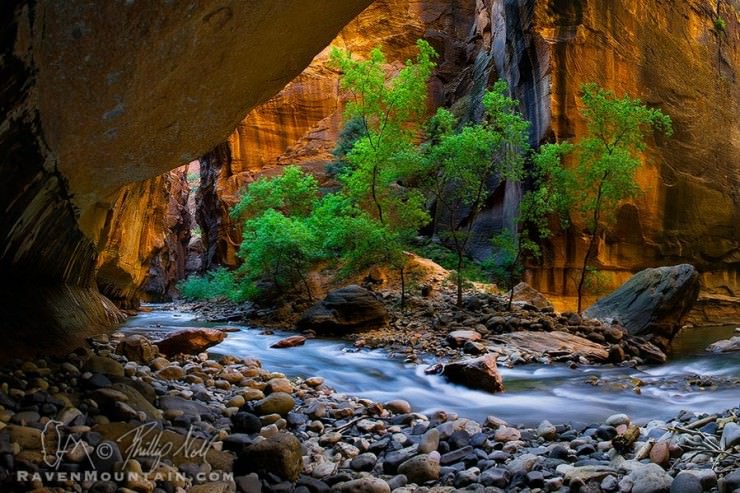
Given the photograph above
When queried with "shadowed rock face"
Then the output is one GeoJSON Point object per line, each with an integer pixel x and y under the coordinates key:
{"type": "Point", "coordinates": [652, 303]}
{"type": "Point", "coordinates": [98, 95]}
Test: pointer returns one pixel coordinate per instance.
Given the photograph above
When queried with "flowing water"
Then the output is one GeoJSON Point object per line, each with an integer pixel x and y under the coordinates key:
{"type": "Point", "coordinates": [533, 392]}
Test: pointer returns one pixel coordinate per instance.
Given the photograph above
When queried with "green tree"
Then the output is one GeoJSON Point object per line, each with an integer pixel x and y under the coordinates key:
{"type": "Point", "coordinates": [389, 108]}
{"type": "Point", "coordinates": [461, 165]}
{"type": "Point", "coordinates": [279, 247]}
{"type": "Point", "coordinates": [608, 158]}
{"type": "Point", "coordinates": [549, 195]}
{"type": "Point", "coordinates": [352, 131]}
{"type": "Point", "coordinates": [293, 193]}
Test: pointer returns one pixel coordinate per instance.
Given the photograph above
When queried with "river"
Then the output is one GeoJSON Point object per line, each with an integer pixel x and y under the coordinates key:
{"type": "Point", "coordinates": [533, 392]}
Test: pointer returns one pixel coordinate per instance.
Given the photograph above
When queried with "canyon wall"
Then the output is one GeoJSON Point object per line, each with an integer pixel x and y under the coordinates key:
{"type": "Point", "coordinates": [666, 52]}
{"type": "Point", "coordinates": [147, 235]}
{"type": "Point", "coordinates": [670, 54]}
{"type": "Point", "coordinates": [97, 95]}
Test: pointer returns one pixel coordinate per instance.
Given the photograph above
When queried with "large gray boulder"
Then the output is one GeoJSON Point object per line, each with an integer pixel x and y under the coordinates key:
{"type": "Point", "coordinates": [345, 310]}
{"type": "Point", "coordinates": [652, 303]}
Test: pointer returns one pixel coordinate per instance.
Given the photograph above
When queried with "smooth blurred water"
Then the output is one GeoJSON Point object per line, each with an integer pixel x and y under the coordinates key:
{"type": "Point", "coordinates": [533, 392]}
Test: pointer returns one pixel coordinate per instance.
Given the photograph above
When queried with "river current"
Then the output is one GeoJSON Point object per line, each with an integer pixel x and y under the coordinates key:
{"type": "Point", "coordinates": [692, 380]}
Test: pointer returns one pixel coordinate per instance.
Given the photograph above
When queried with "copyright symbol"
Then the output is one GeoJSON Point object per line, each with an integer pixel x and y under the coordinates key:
{"type": "Point", "coordinates": [104, 451]}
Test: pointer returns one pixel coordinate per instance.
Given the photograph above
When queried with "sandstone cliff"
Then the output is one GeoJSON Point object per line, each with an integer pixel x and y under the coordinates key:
{"type": "Point", "coordinates": [666, 52]}
{"type": "Point", "coordinates": [147, 231]}
{"type": "Point", "coordinates": [99, 95]}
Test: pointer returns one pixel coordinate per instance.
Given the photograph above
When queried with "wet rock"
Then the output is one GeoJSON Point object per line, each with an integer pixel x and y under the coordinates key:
{"type": "Point", "coordinates": [399, 406]}
{"type": "Point", "coordinates": [276, 403]}
{"type": "Point", "coordinates": [429, 441]}
{"type": "Point", "coordinates": [646, 478]}
{"type": "Point", "coordinates": [730, 436]}
{"type": "Point", "coordinates": [725, 346]}
{"type": "Point", "coordinates": [458, 338]}
{"type": "Point", "coordinates": [367, 484]}
{"type": "Point", "coordinates": [420, 469]}
{"type": "Point", "coordinates": [101, 364]}
{"type": "Point", "coordinates": [291, 341]}
{"type": "Point", "coordinates": [136, 348]}
{"type": "Point", "coordinates": [686, 483]}
{"type": "Point", "coordinates": [479, 373]}
{"type": "Point", "coordinates": [190, 341]}
{"type": "Point", "coordinates": [495, 476]}
{"type": "Point", "coordinates": [652, 302]}
{"type": "Point", "coordinates": [344, 310]}
{"type": "Point", "coordinates": [279, 455]}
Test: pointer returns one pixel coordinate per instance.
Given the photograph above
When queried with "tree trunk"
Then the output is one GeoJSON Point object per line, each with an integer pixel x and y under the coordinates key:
{"type": "Point", "coordinates": [403, 288]}
{"type": "Point", "coordinates": [511, 276]}
{"type": "Point", "coordinates": [459, 278]}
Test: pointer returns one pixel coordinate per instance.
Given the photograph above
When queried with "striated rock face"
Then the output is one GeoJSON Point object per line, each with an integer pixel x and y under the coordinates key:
{"type": "Point", "coordinates": [652, 304]}
{"type": "Point", "coordinates": [96, 96]}
{"type": "Point", "coordinates": [147, 234]}
{"type": "Point", "coordinates": [669, 54]}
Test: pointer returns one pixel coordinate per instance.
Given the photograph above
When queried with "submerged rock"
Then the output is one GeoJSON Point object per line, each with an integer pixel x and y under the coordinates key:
{"type": "Point", "coordinates": [652, 302]}
{"type": "Point", "coordinates": [478, 373]}
{"type": "Point", "coordinates": [725, 346]}
{"type": "Point", "coordinates": [291, 341]}
{"type": "Point", "coordinates": [345, 310]}
{"type": "Point", "coordinates": [190, 341]}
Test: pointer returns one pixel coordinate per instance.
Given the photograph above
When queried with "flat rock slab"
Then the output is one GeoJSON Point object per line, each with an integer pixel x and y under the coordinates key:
{"type": "Point", "coordinates": [554, 343]}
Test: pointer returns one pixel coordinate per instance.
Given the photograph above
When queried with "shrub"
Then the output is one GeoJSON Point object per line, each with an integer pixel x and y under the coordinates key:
{"type": "Point", "coordinates": [218, 284]}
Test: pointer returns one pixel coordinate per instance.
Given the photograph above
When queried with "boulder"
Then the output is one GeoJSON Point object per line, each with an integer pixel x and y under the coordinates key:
{"type": "Point", "coordinates": [653, 302]}
{"type": "Point", "coordinates": [526, 293]}
{"type": "Point", "coordinates": [458, 338]}
{"type": "Point", "coordinates": [478, 373]}
{"type": "Point", "coordinates": [344, 310]}
{"type": "Point", "coordinates": [136, 348]}
{"type": "Point", "coordinates": [190, 341]}
{"type": "Point", "coordinates": [291, 341]}
{"type": "Point", "coordinates": [279, 455]}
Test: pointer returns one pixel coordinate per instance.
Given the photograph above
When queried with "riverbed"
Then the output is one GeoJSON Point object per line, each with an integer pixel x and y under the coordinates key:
{"type": "Point", "coordinates": [533, 392]}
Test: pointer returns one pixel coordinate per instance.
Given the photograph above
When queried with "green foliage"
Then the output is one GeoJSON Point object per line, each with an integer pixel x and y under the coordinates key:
{"type": "Point", "coordinates": [279, 247]}
{"type": "Point", "coordinates": [447, 258]}
{"type": "Point", "coordinates": [218, 284]}
{"type": "Point", "coordinates": [609, 157]}
{"type": "Point", "coordinates": [459, 166]}
{"type": "Point", "coordinates": [720, 25]}
{"type": "Point", "coordinates": [389, 108]}
{"type": "Point", "coordinates": [352, 131]}
{"type": "Point", "coordinates": [293, 193]}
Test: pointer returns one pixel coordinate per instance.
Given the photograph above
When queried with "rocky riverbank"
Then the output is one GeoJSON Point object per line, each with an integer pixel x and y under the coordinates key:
{"type": "Point", "coordinates": [434, 325]}
{"type": "Point", "coordinates": [138, 421]}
